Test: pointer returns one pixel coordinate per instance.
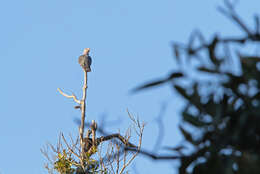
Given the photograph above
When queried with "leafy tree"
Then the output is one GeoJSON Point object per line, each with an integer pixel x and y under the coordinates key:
{"type": "Point", "coordinates": [222, 90]}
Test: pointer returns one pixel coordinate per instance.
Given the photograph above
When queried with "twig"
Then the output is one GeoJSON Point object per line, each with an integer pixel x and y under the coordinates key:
{"type": "Point", "coordinates": [160, 125]}
{"type": "Point", "coordinates": [69, 96]}
{"type": "Point", "coordinates": [117, 158]}
{"type": "Point", "coordinates": [69, 148]}
{"type": "Point", "coordinates": [141, 128]}
{"type": "Point", "coordinates": [232, 14]}
{"type": "Point", "coordinates": [152, 155]}
{"type": "Point", "coordinates": [74, 144]}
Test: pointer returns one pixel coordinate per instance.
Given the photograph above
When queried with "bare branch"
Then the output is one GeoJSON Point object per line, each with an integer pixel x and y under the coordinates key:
{"type": "Point", "coordinates": [232, 14]}
{"type": "Point", "coordinates": [141, 129]}
{"type": "Point", "coordinates": [117, 158]}
{"type": "Point", "coordinates": [154, 156]}
{"type": "Point", "coordinates": [69, 148]}
{"type": "Point", "coordinates": [83, 113]}
{"type": "Point", "coordinates": [118, 136]}
{"type": "Point", "coordinates": [69, 96]}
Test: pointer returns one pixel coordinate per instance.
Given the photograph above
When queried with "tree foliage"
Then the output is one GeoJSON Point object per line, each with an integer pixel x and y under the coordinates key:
{"type": "Point", "coordinates": [222, 90]}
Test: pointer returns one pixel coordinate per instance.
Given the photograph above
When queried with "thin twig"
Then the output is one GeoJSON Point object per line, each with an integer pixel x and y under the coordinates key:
{"type": "Point", "coordinates": [154, 156]}
{"type": "Point", "coordinates": [160, 125]}
{"type": "Point", "coordinates": [117, 158]}
{"type": "Point", "coordinates": [69, 96]}
{"type": "Point", "coordinates": [69, 148]}
{"type": "Point", "coordinates": [232, 14]}
{"type": "Point", "coordinates": [141, 128]}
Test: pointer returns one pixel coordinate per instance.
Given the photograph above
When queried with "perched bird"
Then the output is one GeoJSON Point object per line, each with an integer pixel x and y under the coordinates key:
{"type": "Point", "coordinates": [88, 144]}
{"type": "Point", "coordinates": [85, 60]}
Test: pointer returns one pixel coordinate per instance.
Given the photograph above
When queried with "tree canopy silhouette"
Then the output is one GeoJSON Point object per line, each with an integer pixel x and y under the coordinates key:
{"type": "Point", "coordinates": [222, 90]}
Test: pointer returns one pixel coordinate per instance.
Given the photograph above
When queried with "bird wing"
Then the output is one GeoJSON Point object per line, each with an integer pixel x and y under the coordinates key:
{"type": "Point", "coordinates": [89, 60]}
{"type": "Point", "coordinates": [81, 60]}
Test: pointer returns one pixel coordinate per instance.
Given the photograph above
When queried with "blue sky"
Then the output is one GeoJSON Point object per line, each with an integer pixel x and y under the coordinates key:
{"type": "Point", "coordinates": [130, 43]}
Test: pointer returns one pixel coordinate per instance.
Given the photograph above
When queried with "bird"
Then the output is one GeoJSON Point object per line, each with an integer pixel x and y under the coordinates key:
{"type": "Point", "coordinates": [88, 144]}
{"type": "Point", "coordinates": [85, 60]}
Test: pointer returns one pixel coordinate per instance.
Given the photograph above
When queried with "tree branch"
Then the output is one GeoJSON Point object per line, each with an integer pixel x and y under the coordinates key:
{"type": "Point", "coordinates": [118, 136]}
{"type": "Point", "coordinates": [154, 156]}
{"type": "Point", "coordinates": [69, 96]}
{"type": "Point", "coordinates": [83, 113]}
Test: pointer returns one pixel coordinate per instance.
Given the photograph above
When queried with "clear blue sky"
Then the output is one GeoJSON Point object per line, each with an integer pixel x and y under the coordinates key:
{"type": "Point", "coordinates": [130, 44]}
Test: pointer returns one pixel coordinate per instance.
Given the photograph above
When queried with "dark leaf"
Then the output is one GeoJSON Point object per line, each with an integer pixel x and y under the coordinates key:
{"type": "Point", "coordinates": [204, 69]}
{"type": "Point", "coordinates": [256, 96]}
{"type": "Point", "coordinates": [234, 82]}
{"type": "Point", "coordinates": [192, 120]}
{"type": "Point", "coordinates": [211, 51]}
{"type": "Point", "coordinates": [177, 149]}
{"type": "Point", "coordinates": [196, 98]}
{"type": "Point", "coordinates": [175, 75]}
{"type": "Point", "coordinates": [187, 160]}
{"type": "Point", "coordinates": [187, 136]}
{"type": "Point", "coordinates": [149, 85]}
{"type": "Point", "coordinates": [249, 60]}
{"type": "Point", "coordinates": [211, 107]}
{"type": "Point", "coordinates": [158, 82]}
{"type": "Point", "coordinates": [193, 99]}
{"type": "Point", "coordinates": [182, 92]}
{"type": "Point", "coordinates": [176, 52]}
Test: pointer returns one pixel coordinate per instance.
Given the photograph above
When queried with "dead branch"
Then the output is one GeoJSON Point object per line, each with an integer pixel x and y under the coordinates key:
{"type": "Point", "coordinates": [117, 136]}
{"type": "Point", "coordinates": [154, 156]}
{"type": "Point", "coordinates": [69, 96]}
{"type": "Point", "coordinates": [141, 129]}
{"type": "Point", "coordinates": [83, 113]}
{"type": "Point", "coordinates": [69, 148]}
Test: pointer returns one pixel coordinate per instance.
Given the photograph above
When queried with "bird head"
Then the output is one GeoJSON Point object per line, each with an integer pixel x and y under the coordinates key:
{"type": "Point", "coordinates": [86, 51]}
